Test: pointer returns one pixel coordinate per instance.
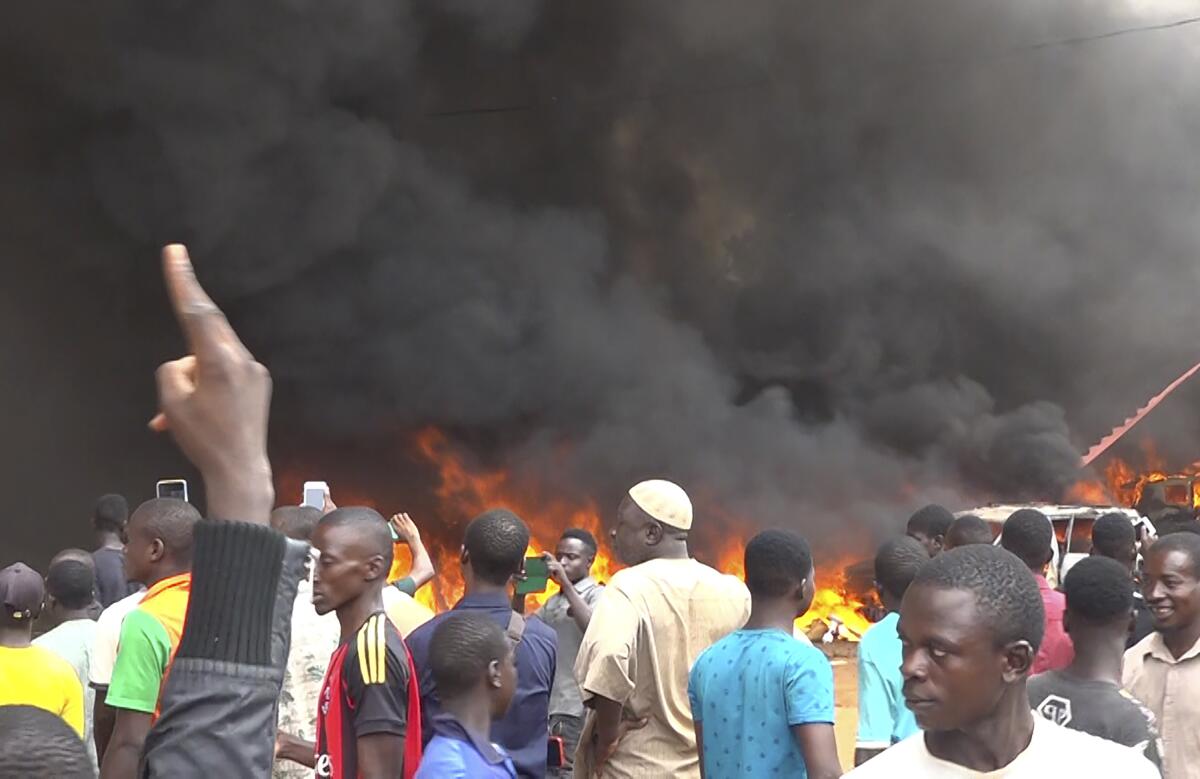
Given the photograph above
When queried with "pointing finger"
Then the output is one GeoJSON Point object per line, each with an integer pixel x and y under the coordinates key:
{"type": "Point", "coordinates": [205, 327]}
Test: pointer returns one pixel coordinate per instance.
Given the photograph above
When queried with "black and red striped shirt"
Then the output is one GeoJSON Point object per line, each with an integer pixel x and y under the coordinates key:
{"type": "Point", "coordinates": [367, 690]}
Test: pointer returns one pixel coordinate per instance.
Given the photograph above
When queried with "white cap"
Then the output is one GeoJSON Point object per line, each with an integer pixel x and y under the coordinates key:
{"type": "Point", "coordinates": [665, 501]}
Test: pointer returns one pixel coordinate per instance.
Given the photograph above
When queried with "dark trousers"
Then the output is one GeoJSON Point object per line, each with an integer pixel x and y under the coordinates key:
{"type": "Point", "coordinates": [568, 729]}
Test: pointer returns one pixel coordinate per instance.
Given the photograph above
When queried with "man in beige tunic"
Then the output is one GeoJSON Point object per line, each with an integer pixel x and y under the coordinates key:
{"type": "Point", "coordinates": [653, 620]}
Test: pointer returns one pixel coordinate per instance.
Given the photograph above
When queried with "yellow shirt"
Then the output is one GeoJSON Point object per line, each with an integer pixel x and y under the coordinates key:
{"type": "Point", "coordinates": [403, 611]}
{"type": "Point", "coordinates": [33, 676]}
{"type": "Point", "coordinates": [646, 631]}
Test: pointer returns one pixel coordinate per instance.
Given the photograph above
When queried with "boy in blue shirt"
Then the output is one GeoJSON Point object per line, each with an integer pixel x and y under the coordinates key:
{"type": "Point", "coordinates": [762, 700]}
{"type": "Point", "coordinates": [883, 719]}
{"type": "Point", "coordinates": [476, 676]}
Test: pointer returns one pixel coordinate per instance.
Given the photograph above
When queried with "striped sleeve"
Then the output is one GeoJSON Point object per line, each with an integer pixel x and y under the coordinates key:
{"type": "Point", "coordinates": [376, 674]}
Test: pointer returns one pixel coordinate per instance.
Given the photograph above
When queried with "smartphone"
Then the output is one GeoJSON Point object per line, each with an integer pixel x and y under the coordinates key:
{"type": "Point", "coordinates": [314, 494]}
{"type": "Point", "coordinates": [556, 752]}
{"type": "Point", "coordinates": [537, 576]}
{"type": "Point", "coordinates": [172, 488]}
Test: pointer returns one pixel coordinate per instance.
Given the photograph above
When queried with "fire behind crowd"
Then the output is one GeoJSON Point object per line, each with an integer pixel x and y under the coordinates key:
{"type": "Point", "coordinates": [802, 270]}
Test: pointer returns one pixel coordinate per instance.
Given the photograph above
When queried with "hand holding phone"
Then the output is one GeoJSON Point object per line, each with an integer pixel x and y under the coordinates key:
{"type": "Point", "coordinates": [537, 576]}
{"type": "Point", "coordinates": [315, 493]}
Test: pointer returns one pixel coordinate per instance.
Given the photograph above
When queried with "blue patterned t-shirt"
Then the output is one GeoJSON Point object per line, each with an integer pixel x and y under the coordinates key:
{"type": "Point", "coordinates": [747, 691]}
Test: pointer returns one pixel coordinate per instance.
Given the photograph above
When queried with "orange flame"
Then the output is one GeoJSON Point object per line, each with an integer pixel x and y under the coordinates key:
{"type": "Point", "coordinates": [1124, 484]}
{"type": "Point", "coordinates": [464, 491]}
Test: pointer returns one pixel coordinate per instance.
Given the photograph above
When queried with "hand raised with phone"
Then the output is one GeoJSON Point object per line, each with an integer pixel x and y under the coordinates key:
{"type": "Point", "coordinates": [215, 401]}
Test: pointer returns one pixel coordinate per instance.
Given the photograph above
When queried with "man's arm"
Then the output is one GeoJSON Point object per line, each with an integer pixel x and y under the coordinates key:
{"type": "Point", "coordinates": [220, 700]}
{"type": "Point", "coordinates": [125, 748]}
{"type": "Point", "coordinates": [381, 756]}
{"type": "Point", "coordinates": [581, 612]}
{"type": "Point", "coordinates": [819, 746]}
{"type": "Point", "coordinates": [297, 750]}
{"type": "Point", "coordinates": [422, 570]}
{"type": "Point", "coordinates": [103, 719]}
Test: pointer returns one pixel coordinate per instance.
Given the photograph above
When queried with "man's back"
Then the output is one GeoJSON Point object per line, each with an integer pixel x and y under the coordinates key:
{"type": "Point", "coordinates": [522, 731]}
{"type": "Point", "coordinates": [34, 676]}
{"type": "Point", "coordinates": [1100, 708]}
{"type": "Point", "coordinates": [111, 584]}
{"type": "Point", "coordinates": [1054, 751]}
{"type": "Point", "coordinates": [649, 627]}
{"type": "Point", "coordinates": [1056, 650]}
{"type": "Point", "coordinates": [73, 641]}
{"type": "Point", "coordinates": [748, 690]}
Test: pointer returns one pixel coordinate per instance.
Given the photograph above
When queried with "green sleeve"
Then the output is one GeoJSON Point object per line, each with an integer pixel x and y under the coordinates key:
{"type": "Point", "coordinates": [142, 656]}
{"type": "Point", "coordinates": [406, 586]}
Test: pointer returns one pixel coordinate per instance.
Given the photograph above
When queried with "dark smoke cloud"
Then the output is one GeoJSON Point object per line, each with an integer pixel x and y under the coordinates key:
{"type": "Point", "coordinates": [819, 263]}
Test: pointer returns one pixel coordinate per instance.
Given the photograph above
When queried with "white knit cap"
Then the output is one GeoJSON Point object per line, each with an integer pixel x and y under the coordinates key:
{"type": "Point", "coordinates": [665, 501]}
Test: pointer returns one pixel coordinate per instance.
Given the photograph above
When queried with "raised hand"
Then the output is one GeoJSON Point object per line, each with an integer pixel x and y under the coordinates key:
{"type": "Point", "coordinates": [215, 401]}
{"type": "Point", "coordinates": [405, 528]}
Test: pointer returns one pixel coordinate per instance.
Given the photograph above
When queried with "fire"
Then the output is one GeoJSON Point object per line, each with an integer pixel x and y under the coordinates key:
{"type": "Point", "coordinates": [832, 598]}
{"type": "Point", "coordinates": [1124, 484]}
{"type": "Point", "coordinates": [464, 491]}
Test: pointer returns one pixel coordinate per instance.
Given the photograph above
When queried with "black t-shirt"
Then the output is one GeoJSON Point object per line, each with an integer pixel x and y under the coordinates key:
{"type": "Point", "coordinates": [373, 683]}
{"type": "Point", "coordinates": [1099, 708]}
{"type": "Point", "coordinates": [111, 584]}
{"type": "Point", "coordinates": [1143, 624]}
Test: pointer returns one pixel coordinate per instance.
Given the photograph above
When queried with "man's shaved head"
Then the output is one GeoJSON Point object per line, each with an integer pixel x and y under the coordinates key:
{"type": "Point", "coordinates": [296, 522]}
{"type": "Point", "coordinates": [159, 539]}
{"type": "Point", "coordinates": [368, 524]}
{"type": "Point", "coordinates": [171, 520]}
{"type": "Point", "coordinates": [355, 549]}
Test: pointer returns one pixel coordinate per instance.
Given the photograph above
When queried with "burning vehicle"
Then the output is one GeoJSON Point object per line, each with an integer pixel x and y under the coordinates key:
{"type": "Point", "coordinates": [1072, 529]}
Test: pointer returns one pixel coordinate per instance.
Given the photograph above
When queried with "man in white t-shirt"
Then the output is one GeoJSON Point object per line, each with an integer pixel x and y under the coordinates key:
{"type": "Point", "coordinates": [100, 668]}
{"type": "Point", "coordinates": [971, 623]}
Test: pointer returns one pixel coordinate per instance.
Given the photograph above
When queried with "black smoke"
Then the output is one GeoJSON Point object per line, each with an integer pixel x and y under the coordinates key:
{"type": "Point", "coordinates": [820, 263]}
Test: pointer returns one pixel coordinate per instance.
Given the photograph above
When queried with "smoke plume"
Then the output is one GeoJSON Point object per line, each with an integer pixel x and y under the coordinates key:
{"type": "Point", "coordinates": [819, 263]}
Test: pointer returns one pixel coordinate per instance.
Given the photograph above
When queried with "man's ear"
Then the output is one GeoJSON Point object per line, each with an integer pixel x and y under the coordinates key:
{"type": "Point", "coordinates": [1132, 621]}
{"type": "Point", "coordinates": [464, 557]}
{"type": "Point", "coordinates": [157, 550]}
{"type": "Point", "coordinates": [654, 533]}
{"type": "Point", "coordinates": [940, 541]}
{"type": "Point", "coordinates": [493, 675]}
{"type": "Point", "coordinates": [376, 567]}
{"type": "Point", "coordinates": [1018, 660]}
{"type": "Point", "coordinates": [1066, 621]}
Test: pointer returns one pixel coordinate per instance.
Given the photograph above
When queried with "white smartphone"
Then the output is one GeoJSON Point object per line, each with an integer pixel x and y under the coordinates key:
{"type": "Point", "coordinates": [314, 494]}
{"type": "Point", "coordinates": [172, 488]}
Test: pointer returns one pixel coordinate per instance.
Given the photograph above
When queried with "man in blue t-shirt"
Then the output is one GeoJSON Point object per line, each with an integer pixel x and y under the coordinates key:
{"type": "Point", "coordinates": [883, 719]}
{"type": "Point", "coordinates": [472, 664]}
{"type": "Point", "coordinates": [763, 700]}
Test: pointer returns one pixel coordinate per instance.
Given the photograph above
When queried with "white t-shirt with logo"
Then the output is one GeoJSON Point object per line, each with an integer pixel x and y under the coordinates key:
{"type": "Point", "coordinates": [1053, 751]}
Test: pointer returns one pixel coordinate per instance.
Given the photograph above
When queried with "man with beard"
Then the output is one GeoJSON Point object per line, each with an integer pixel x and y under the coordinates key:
{"type": "Point", "coordinates": [369, 716]}
{"type": "Point", "coordinates": [1163, 669]}
{"type": "Point", "coordinates": [971, 623]}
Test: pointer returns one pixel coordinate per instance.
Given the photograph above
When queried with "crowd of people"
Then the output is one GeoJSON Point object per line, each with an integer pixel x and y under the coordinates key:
{"type": "Point", "coordinates": [285, 642]}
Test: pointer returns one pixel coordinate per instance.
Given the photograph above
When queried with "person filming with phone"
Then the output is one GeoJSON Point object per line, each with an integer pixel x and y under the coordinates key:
{"type": "Point", "coordinates": [493, 554]}
{"type": "Point", "coordinates": [569, 611]}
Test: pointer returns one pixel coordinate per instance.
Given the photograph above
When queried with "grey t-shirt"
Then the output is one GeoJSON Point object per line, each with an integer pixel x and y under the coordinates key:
{"type": "Point", "coordinates": [564, 696]}
{"type": "Point", "coordinates": [1099, 708]}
